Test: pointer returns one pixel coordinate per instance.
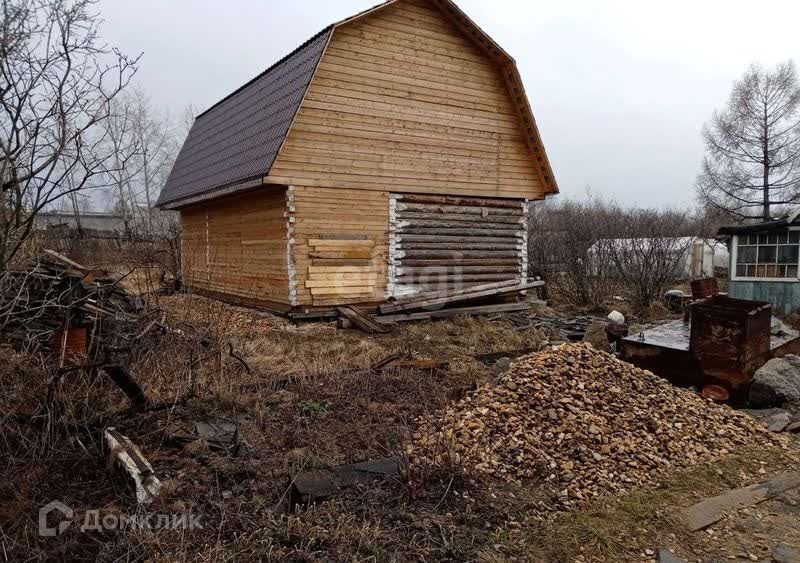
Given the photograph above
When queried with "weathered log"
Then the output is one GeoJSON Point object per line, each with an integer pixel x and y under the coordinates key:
{"type": "Point", "coordinates": [464, 218]}
{"type": "Point", "coordinates": [455, 232]}
{"type": "Point", "coordinates": [449, 200]}
{"type": "Point", "coordinates": [454, 270]}
{"type": "Point", "coordinates": [362, 320]}
{"type": "Point", "coordinates": [456, 263]}
{"type": "Point", "coordinates": [422, 254]}
{"type": "Point", "coordinates": [446, 293]}
{"type": "Point", "coordinates": [465, 209]}
{"type": "Point", "coordinates": [440, 278]}
{"type": "Point", "coordinates": [404, 238]}
{"type": "Point", "coordinates": [449, 313]}
{"type": "Point", "coordinates": [426, 302]}
{"type": "Point", "coordinates": [461, 246]}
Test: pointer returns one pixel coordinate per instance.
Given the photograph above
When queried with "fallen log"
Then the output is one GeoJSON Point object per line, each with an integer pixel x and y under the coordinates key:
{"type": "Point", "coordinates": [448, 313]}
{"type": "Point", "coordinates": [446, 293]}
{"type": "Point", "coordinates": [476, 293]}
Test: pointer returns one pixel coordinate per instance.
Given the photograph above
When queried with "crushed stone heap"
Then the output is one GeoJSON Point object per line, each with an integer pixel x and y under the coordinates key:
{"type": "Point", "coordinates": [585, 422]}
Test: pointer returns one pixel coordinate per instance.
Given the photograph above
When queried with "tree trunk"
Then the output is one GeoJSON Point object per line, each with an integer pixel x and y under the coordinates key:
{"type": "Point", "coordinates": [765, 148]}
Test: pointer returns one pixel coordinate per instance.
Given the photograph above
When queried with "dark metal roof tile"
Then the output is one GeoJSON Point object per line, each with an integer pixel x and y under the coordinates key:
{"type": "Point", "coordinates": [238, 139]}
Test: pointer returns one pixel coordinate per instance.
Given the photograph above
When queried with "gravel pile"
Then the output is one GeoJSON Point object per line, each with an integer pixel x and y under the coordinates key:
{"type": "Point", "coordinates": [584, 421]}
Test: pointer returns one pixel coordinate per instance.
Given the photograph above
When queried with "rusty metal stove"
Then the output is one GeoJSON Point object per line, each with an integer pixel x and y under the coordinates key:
{"type": "Point", "coordinates": [730, 338]}
{"type": "Point", "coordinates": [726, 342]}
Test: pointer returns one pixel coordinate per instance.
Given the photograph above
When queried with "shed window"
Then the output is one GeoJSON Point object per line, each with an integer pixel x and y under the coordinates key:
{"type": "Point", "coordinates": [773, 255]}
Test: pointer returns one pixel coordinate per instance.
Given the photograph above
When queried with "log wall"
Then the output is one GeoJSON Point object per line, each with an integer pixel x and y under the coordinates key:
{"type": "Point", "coordinates": [237, 247]}
{"type": "Point", "coordinates": [438, 243]}
{"type": "Point", "coordinates": [402, 101]}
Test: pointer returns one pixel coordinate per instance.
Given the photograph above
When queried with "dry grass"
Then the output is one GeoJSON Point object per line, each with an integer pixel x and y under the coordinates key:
{"type": "Point", "coordinates": [621, 528]}
{"type": "Point", "coordinates": [315, 405]}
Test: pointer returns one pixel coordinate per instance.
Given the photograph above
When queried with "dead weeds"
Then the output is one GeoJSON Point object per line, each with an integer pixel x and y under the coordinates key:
{"type": "Point", "coordinates": [304, 398]}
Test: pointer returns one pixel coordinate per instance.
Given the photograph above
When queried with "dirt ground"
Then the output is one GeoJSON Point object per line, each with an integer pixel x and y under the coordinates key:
{"type": "Point", "coordinates": [304, 398]}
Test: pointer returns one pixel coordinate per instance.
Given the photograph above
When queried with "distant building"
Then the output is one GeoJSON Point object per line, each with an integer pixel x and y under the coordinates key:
{"type": "Point", "coordinates": [701, 257]}
{"type": "Point", "coordinates": [765, 258]}
{"type": "Point", "coordinates": [89, 220]}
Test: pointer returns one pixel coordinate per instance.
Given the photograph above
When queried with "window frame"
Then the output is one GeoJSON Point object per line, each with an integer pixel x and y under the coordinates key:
{"type": "Point", "coordinates": [734, 263]}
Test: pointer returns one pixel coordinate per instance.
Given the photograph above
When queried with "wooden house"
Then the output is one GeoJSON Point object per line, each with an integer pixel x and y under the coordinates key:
{"type": "Point", "coordinates": [391, 153]}
{"type": "Point", "coordinates": [765, 262]}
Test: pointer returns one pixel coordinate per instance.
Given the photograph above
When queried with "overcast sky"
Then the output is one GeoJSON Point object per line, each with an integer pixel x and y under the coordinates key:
{"type": "Point", "coordinates": [620, 89]}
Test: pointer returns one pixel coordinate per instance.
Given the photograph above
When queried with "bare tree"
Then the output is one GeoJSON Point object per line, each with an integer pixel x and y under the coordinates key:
{"type": "Point", "coordinates": [123, 166]}
{"type": "Point", "coordinates": [649, 251]}
{"type": "Point", "coordinates": [144, 141]}
{"type": "Point", "coordinates": [590, 251]}
{"type": "Point", "coordinates": [753, 146]}
{"type": "Point", "coordinates": [562, 249]}
{"type": "Point", "coordinates": [57, 82]}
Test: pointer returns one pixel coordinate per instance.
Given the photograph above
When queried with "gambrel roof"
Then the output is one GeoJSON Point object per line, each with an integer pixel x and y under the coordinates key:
{"type": "Point", "coordinates": [234, 144]}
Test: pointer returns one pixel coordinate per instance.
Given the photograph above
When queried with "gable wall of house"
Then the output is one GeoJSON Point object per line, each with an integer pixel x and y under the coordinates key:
{"type": "Point", "coordinates": [402, 101]}
{"type": "Point", "coordinates": [238, 247]}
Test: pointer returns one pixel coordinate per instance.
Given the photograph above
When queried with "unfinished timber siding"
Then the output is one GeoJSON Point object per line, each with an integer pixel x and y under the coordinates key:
{"type": "Point", "coordinates": [438, 243]}
{"type": "Point", "coordinates": [237, 247]}
{"type": "Point", "coordinates": [340, 245]}
{"type": "Point", "coordinates": [403, 101]}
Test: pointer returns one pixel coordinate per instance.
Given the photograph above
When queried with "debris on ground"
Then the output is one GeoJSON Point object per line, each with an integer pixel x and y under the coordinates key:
{"type": "Point", "coordinates": [712, 510]}
{"type": "Point", "coordinates": [312, 487]}
{"type": "Point", "coordinates": [779, 422]}
{"type": "Point", "coordinates": [122, 379]}
{"type": "Point", "coordinates": [667, 556]}
{"type": "Point", "coordinates": [597, 337]}
{"type": "Point", "coordinates": [54, 302]}
{"type": "Point", "coordinates": [477, 300]}
{"type": "Point", "coordinates": [776, 383]}
{"type": "Point", "coordinates": [493, 358]}
{"type": "Point", "coordinates": [442, 299]}
{"type": "Point", "coordinates": [126, 457]}
{"type": "Point", "coordinates": [616, 317]}
{"type": "Point", "coordinates": [588, 424]}
{"type": "Point", "coordinates": [218, 435]}
{"type": "Point", "coordinates": [785, 554]}
{"type": "Point", "coordinates": [572, 329]}
{"type": "Point", "coordinates": [362, 320]}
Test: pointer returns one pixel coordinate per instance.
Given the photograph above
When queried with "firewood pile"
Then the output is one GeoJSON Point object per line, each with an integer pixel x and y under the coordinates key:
{"type": "Point", "coordinates": [54, 297]}
{"type": "Point", "coordinates": [581, 420]}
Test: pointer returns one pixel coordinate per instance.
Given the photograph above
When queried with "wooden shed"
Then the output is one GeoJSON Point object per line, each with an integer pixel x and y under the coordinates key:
{"type": "Point", "coordinates": [393, 152]}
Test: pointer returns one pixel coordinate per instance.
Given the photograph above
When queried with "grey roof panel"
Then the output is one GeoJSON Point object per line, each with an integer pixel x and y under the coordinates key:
{"type": "Point", "coordinates": [238, 139]}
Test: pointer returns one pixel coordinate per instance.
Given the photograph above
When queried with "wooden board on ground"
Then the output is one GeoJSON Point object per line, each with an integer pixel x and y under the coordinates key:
{"type": "Point", "coordinates": [447, 313]}
{"type": "Point", "coordinates": [436, 294]}
{"type": "Point", "coordinates": [461, 297]}
{"type": "Point", "coordinates": [315, 486]}
{"type": "Point", "coordinates": [362, 320]}
{"type": "Point", "coordinates": [712, 510]}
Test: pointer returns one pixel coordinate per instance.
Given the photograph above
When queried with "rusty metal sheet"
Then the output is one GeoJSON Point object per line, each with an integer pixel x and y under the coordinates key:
{"type": "Point", "coordinates": [730, 338]}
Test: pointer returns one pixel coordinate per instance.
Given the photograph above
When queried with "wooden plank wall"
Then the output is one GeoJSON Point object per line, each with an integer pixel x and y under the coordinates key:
{"type": "Point", "coordinates": [237, 246]}
{"type": "Point", "coordinates": [444, 243]}
{"type": "Point", "coordinates": [340, 245]}
{"type": "Point", "coordinates": [403, 102]}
